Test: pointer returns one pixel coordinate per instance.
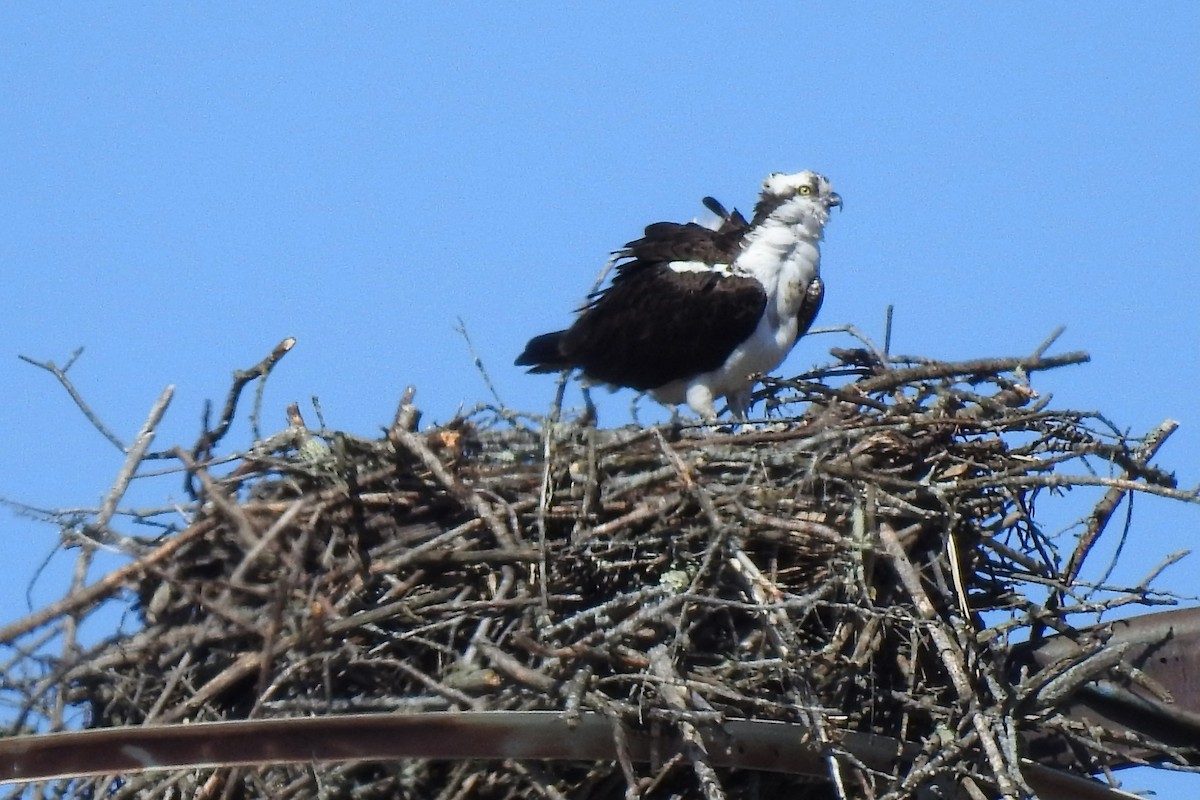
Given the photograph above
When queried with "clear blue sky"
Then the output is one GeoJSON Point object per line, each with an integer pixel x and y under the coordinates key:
{"type": "Point", "coordinates": [183, 188]}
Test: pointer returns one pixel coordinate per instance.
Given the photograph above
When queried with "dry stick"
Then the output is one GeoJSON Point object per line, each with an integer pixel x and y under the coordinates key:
{"type": "Point", "coordinates": [242, 667]}
{"type": "Point", "coordinates": [245, 529]}
{"type": "Point", "coordinates": [952, 658]}
{"type": "Point", "coordinates": [765, 595]}
{"type": "Point", "coordinates": [965, 486]}
{"type": "Point", "coordinates": [603, 273]}
{"type": "Point", "coordinates": [407, 414]}
{"type": "Point", "coordinates": [620, 739]}
{"type": "Point", "coordinates": [539, 779]}
{"type": "Point", "coordinates": [1048, 341]}
{"type": "Point", "coordinates": [431, 545]}
{"type": "Point", "coordinates": [482, 509]}
{"type": "Point", "coordinates": [1103, 511]}
{"type": "Point", "coordinates": [514, 670]}
{"type": "Point", "coordinates": [209, 439]}
{"type": "Point", "coordinates": [175, 676]}
{"type": "Point", "coordinates": [648, 509]}
{"type": "Point", "coordinates": [449, 693]}
{"type": "Point", "coordinates": [881, 358]}
{"type": "Point", "coordinates": [590, 502]}
{"type": "Point", "coordinates": [1062, 679]}
{"type": "Point", "coordinates": [461, 328]}
{"type": "Point", "coordinates": [256, 549]}
{"type": "Point", "coordinates": [247, 663]}
{"type": "Point", "coordinates": [720, 529]}
{"type": "Point", "coordinates": [1143, 586]}
{"type": "Point", "coordinates": [1050, 481]}
{"type": "Point", "coordinates": [494, 557]}
{"type": "Point", "coordinates": [284, 587]}
{"type": "Point", "coordinates": [461, 783]}
{"type": "Point", "coordinates": [546, 488]}
{"type": "Point", "coordinates": [675, 696]}
{"type": "Point", "coordinates": [887, 328]}
{"type": "Point", "coordinates": [106, 585]}
{"type": "Point", "coordinates": [954, 560]}
{"type": "Point", "coordinates": [219, 781]}
{"type": "Point", "coordinates": [846, 395]}
{"type": "Point", "coordinates": [984, 366]}
{"type": "Point", "coordinates": [739, 566]}
{"type": "Point", "coordinates": [69, 629]}
{"type": "Point", "coordinates": [133, 460]}
{"type": "Point", "coordinates": [87, 548]}
{"type": "Point", "coordinates": [61, 374]}
{"type": "Point", "coordinates": [499, 592]}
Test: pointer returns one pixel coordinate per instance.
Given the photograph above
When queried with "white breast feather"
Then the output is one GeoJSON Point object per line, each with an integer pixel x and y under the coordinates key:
{"type": "Point", "coordinates": [782, 254]}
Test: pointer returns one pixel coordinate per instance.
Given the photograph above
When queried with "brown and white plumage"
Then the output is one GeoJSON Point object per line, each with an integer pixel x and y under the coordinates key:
{"type": "Point", "coordinates": [694, 312]}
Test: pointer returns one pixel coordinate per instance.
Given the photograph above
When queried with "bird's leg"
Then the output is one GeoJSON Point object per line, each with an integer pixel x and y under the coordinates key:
{"type": "Point", "coordinates": [633, 408]}
{"type": "Point", "coordinates": [590, 417]}
{"type": "Point", "coordinates": [740, 402]}
{"type": "Point", "coordinates": [700, 399]}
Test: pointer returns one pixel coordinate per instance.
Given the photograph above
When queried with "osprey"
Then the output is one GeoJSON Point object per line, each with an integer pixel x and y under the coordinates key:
{"type": "Point", "coordinates": [694, 311]}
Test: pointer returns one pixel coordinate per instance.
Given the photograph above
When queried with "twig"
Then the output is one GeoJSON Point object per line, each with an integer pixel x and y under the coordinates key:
{"type": "Point", "coordinates": [212, 436]}
{"type": "Point", "coordinates": [1047, 343]}
{"type": "Point", "coordinates": [413, 444]}
{"type": "Point", "coordinates": [887, 329]}
{"type": "Point", "coordinates": [875, 352]}
{"type": "Point", "coordinates": [256, 547]}
{"type": "Point", "coordinates": [1055, 480]}
{"type": "Point", "coordinates": [461, 328]}
{"type": "Point", "coordinates": [1104, 509]}
{"type": "Point", "coordinates": [102, 588]}
{"type": "Point", "coordinates": [407, 414]}
{"type": "Point", "coordinates": [987, 366]}
{"type": "Point", "coordinates": [61, 374]}
{"type": "Point", "coordinates": [954, 660]}
{"type": "Point", "coordinates": [694, 747]}
{"type": "Point", "coordinates": [141, 443]}
{"type": "Point", "coordinates": [246, 532]}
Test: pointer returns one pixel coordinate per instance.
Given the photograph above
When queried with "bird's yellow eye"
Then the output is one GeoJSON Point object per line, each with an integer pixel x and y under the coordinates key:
{"type": "Point", "coordinates": [806, 190]}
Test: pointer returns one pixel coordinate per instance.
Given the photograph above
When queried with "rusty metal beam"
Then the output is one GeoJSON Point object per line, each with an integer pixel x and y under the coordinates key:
{"type": "Point", "coordinates": [1152, 691]}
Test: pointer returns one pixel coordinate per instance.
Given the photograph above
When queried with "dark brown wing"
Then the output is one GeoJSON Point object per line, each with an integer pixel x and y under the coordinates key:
{"type": "Point", "coordinates": [730, 220]}
{"type": "Point", "coordinates": [664, 242]}
{"type": "Point", "coordinates": [635, 333]}
{"type": "Point", "coordinates": [814, 295]}
{"type": "Point", "coordinates": [656, 325]}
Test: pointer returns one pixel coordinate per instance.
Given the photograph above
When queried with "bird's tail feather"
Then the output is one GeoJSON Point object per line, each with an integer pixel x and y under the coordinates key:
{"type": "Point", "coordinates": [544, 353]}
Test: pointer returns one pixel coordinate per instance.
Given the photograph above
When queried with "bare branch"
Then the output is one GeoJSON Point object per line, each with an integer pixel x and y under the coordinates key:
{"type": "Point", "coordinates": [211, 437]}
{"type": "Point", "coordinates": [60, 373]}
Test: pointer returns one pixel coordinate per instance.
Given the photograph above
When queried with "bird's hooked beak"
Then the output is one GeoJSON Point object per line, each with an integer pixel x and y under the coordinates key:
{"type": "Point", "coordinates": [835, 200]}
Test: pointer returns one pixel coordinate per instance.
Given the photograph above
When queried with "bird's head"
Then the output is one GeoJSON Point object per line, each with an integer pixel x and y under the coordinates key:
{"type": "Point", "coordinates": [790, 196]}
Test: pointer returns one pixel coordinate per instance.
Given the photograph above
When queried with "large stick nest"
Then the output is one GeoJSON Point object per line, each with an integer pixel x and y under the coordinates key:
{"type": "Point", "coordinates": [863, 562]}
